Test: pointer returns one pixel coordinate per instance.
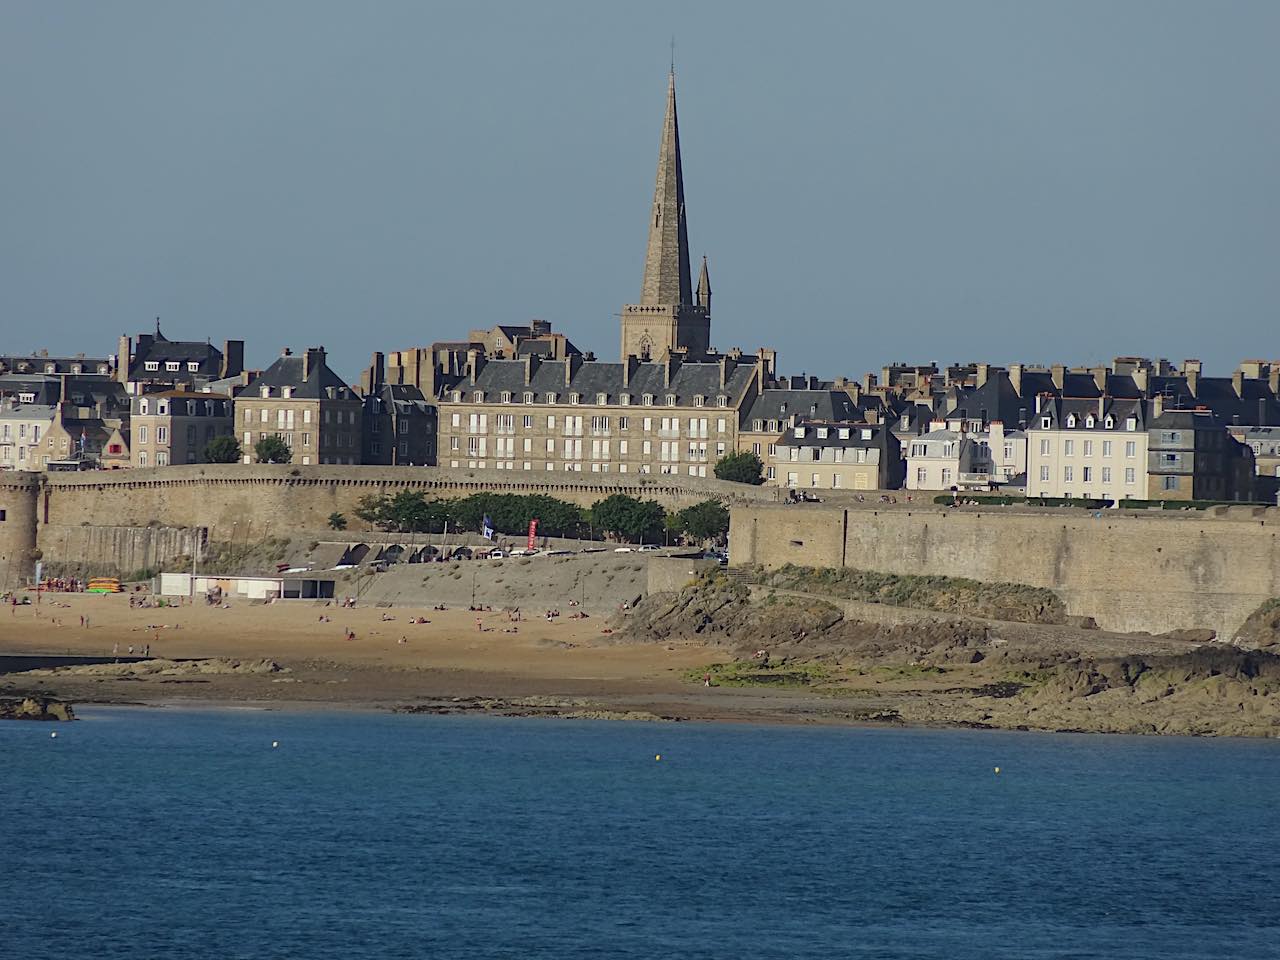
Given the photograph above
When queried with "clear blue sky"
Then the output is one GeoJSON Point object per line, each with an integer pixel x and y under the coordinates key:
{"type": "Point", "coordinates": [1011, 181]}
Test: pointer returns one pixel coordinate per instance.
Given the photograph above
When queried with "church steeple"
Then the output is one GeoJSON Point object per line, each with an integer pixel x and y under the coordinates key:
{"type": "Point", "coordinates": [667, 280]}
{"type": "Point", "coordinates": [704, 287]}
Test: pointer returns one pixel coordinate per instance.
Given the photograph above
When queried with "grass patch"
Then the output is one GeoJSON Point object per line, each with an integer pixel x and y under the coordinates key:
{"type": "Point", "coordinates": [749, 673]}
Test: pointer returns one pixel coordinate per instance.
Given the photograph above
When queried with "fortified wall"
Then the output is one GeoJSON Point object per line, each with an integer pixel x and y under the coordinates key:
{"type": "Point", "coordinates": [1129, 570]}
{"type": "Point", "coordinates": [135, 519]}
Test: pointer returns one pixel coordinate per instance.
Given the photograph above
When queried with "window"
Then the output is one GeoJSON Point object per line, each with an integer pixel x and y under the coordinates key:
{"type": "Point", "coordinates": [142, 458]}
{"type": "Point", "coordinates": [143, 407]}
{"type": "Point", "coordinates": [1089, 421]}
{"type": "Point", "coordinates": [551, 421]}
{"type": "Point", "coordinates": [172, 365]}
{"type": "Point", "coordinates": [1088, 448]}
{"type": "Point", "coordinates": [528, 398]}
{"type": "Point", "coordinates": [1130, 449]}
{"type": "Point", "coordinates": [152, 365]}
{"type": "Point", "coordinates": [624, 399]}
{"type": "Point", "coordinates": [574, 398]}
{"type": "Point", "coordinates": [773, 449]}
{"type": "Point", "coordinates": [1068, 447]}
{"type": "Point", "coordinates": [506, 396]}
{"type": "Point", "coordinates": [1008, 451]}
{"type": "Point", "coordinates": [647, 399]}
{"type": "Point", "coordinates": [1110, 422]}
{"type": "Point", "coordinates": [1170, 483]}
{"type": "Point", "coordinates": [527, 421]}
{"type": "Point", "coordinates": [1045, 423]}
{"type": "Point", "coordinates": [671, 399]}
{"type": "Point", "coordinates": [162, 434]}
{"type": "Point", "coordinates": [193, 366]}
{"type": "Point", "coordinates": [946, 476]}
{"type": "Point", "coordinates": [602, 399]}
{"type": "Point", "coordinates": [1044, 474]}
{"type": "Point", "coordinates": [698, 400]}
{"type": "Point", "coordinates": [162, 459]}
{"type": "Point", "coordinates": [1106, 474]}
{"type": "Point", "coordinates": [1131, 424]}
{"type": "Point", "coordinates": [1044, 448]}
{"type": "Point", "coordinates": [1071, 420]}
{"type": "Point", "coordinates": [1088, 474]}
{"type": "Point", "coordinates": [1067, 474]}
{"type": "Point", "coordinates": [755, 448]}
{"type": "Point", "coordinates": [552, 397]}
{"type": "Point", "coordinates": [142, 433]}
{"type": "Point", "coordinates": [477, 396]}
{"type": "Point", "coordinates": [624, 423]}
{"type": "Point", "coordinates": [1106, 448]}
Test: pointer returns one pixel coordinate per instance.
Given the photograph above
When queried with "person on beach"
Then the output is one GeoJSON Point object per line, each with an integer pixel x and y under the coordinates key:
{"type": "Point", "coordinates": [706, 679]}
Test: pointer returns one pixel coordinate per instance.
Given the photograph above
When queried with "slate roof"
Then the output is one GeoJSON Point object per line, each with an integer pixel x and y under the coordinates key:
{"type": "Point", "coordinates": [594, 377]}
{"type": "Point", "coordinates": [780, 404]}
{"type": "Point", "coordinates": [833, 438]}
{"type": "Point", "coordinates": [287, 372]}
{"type": "Point", "coordinates": [1059, 411]}
{"type": "Point", "coordinates": [158, 347]}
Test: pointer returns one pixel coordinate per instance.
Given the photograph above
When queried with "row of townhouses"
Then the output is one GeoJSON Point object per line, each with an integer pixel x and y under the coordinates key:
{"type": "Point", "coordinates": [522, 397]}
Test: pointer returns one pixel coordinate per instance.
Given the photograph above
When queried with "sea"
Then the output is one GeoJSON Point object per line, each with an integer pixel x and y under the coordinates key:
{"type": "Point", "coordinates": [228, 833]}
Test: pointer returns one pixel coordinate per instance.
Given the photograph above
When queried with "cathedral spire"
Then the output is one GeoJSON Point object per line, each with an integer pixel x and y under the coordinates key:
{"type": "Point", "coordinates": [667, 279]}
{"type": "Point", "coordinates": [704, 287]}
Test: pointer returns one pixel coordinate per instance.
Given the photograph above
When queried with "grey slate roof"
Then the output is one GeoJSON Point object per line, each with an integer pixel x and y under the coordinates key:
{"type": "Point", "coordinates": [287, 372]}
{"type": "Point", "coordinates": [1059, 411]}
{"type": "Point", "coordinates": [780, 404]}
{"type": "Point", "coordinates": [595, 377]}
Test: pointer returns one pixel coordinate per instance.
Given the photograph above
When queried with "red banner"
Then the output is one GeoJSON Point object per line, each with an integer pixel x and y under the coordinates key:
{"type": "Point", "coordinates": [533, 533]}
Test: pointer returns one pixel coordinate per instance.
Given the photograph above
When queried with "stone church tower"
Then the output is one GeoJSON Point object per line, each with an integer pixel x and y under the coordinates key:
{"type": "Point", "coordinates": [667, 316]}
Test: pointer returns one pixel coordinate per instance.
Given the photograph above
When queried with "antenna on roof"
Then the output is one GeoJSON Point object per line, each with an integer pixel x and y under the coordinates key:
{"type": "Point", "coordinates": [673, 53]}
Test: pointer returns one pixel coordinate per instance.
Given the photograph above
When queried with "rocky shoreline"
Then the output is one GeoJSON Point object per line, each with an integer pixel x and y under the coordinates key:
{"type": "Point", "coordinates": [36, 708]}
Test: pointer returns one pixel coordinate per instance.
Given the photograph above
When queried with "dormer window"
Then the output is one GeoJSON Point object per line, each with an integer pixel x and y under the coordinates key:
{"type": "Point", "coordinates": [193, 366]}
{"type": "Point", "coordinates": [822, 433]}
{"type": "Point", "coordinates": [143, 407]}
{"type": "Point", "coordinates": [162, 408]}
{"type": "Point", "coordinates": [528, 398]}
{"type": "Point", "coordinates": [722, 401]}
{"type": "Point", "coordinates": [552, 397]}
{"type": "Point", "coordinates": [506, 396]}
{"type": "Point", "coordinates": [1110, 422]}
{"type": "Point", "coordinates": [265, 392]}
{"type": "Point", "coordinates": [75, 368]}
{"type": "Point", "coordinates": [1131, 424]}
{"type": "Point", "coordinates": [844, 434]}
{"type": "Point", "coordinates": [1071, 420]}
{"type": "Point", "coordinates": [172, 365]}
{"type": "Point", "coordinates": [50, 368]}
{"type": "Point", "coordinates": [574, 398]}
{"type": "Point", "coordinates": [1045, 423]}
{"type": "Point", "coordinates": [286, 392]}
{"type": "Point", "coordinates": [102, 369]}
{"type": "Point", "coordinates": [773, 426]}
{"type": "Point", "coordinates": [671, 399]}
{"type": "Point", "coordinates": [624, 399]}
{"type": "Point", "coordinates": [757, 426]}
{"type": "Point", "coordinates": [866, 434]}
{"type": "Point", "coordinates": [457, 396]}
{"type": "Point", "coordinates": [1089, 421]}
{"type": "Point", "coordinates": [799, 433]}
{"type": "Point", "coordinates": [152, 364]}
{"type": "Point", "coordinates": [698, 400]}
{"type": "Point", "coordinates": [602, 399]}
{"type": "Point", "coordinates": [647, 399]}
{"type": "Point", "coordinates": [477, 396]}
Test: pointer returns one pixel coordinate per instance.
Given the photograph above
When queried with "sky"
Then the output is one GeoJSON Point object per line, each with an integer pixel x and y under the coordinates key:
{"type": "Point", "coordinates": [906, 181]}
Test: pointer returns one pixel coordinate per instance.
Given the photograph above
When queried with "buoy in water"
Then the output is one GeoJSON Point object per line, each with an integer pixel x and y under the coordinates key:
{"type": "Point", "coordinates": [997, 769]}
{"type": "Point", "coordinates": [276, 743]}
{"type": "Point", "coordinates": [54, 735]}
{"type": "Point", "coordinates": [657, 756]}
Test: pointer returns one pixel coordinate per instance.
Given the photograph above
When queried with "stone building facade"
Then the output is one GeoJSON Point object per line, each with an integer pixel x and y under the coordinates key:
{"type": "Point", "coordinates": [823, 455]}
{"type": "Point", "coordinates": [175, 426]}
{"type": "Point", "coordinates": [301, 400]}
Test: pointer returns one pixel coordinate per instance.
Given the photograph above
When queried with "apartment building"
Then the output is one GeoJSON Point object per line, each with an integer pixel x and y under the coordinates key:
{"type": "Point", "coordinates": [22, 428]}
{"type": "Point", "coordinates": [175, 426]}
{"type": "Point", "coordinates": [839, 456]}
{"type": "Point", "coordinates": [151, 361]}
{"type": "Point", "coordinates": [952, 456]}
{"type": "Point", "coordinates": [778, 404]}
{"type": "Point", "coordinates": [1191, 456]}
{"type": "Point", "coordinates": [1091, 448]}
{"type": "Point", "coordinates": [302, 401]}
{"type": "Point", "coordinates": [667, 417]}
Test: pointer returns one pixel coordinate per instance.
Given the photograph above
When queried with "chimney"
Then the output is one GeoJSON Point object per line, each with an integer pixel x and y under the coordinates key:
{"type": "Point", "coordinates": [629, 368]}
{"type": "Point", "coordinates": [232, 358]}
{"type": "Point", "coordinates": [530, 365]}
{"type": "Point", "coordinates": [475, 363]}
{"type": "Point", "coordinates": [1059, 374]}
{"type": "Point", "coordinates": [1015, 377]}
{"type": "Point", "coordinates": [1100, 378]}
{"type": "Point", "coordinates": [984, 370]}
{"type": "Point", "coordinates": [1237, 383]}
{"type": "Point", "coordinates": [123, 353]}
{"type": "Point", "coordinates": [312, 361]}
{"type": "Point", "coordinates": [1273, 379]}
{"type": "Point", "coordinates": [995, 440]}
{"type": "Point", "coordinates": [1157, 405]}
{"type": "Point", "coordinates": [1254, 369]}
{"type": "Point", "coordinates": [725, 370]}
{"type": "Point", "coordinates": [670, 365]}
{"type": "Point", "coordinates": [1262, 411]}
{"type": "Point", "coordinates": [1142, 380]}
{"type": "Point", "coordinates": [869, 382]}
{"type": "Point", "coordinates": [572, 364]}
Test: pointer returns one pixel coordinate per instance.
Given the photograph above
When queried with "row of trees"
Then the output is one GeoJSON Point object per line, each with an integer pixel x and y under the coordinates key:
{"type": "Point", "coordinates": [619, 516]}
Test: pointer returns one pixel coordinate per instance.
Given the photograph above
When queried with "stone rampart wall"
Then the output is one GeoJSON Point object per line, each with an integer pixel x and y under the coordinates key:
{"type": "Point", "coordinates": [86, 550]}
{"type": "Point", "coordinates": [236, 501]}
{"type": "Point", "coordinates": [18, 497]}
{"type": "Point", "coordinates": [1129, 571]}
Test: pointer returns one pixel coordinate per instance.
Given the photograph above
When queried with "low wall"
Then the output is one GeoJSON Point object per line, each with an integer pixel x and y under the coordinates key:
{"type": "Point", "coordinates": [1130, 571]}
{"type": "Point", "coordinates": [673, 574]}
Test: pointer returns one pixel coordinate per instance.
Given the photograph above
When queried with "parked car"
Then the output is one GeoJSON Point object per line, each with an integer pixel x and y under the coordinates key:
{"type": "Point", "coordinates": [624, 550]}
{"type": "Point", "coordinates": [647, 548]}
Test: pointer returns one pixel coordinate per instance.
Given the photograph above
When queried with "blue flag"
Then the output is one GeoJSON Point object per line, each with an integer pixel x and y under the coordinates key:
{"type": "Point", "coordinates": [486, 528]}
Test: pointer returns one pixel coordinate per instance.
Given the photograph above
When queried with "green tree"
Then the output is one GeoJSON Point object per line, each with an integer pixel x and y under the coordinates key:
{"type": "Point", "coordinates": [222, 450]}
{"type": "Point", "coordinates": [272, 449]}
{"type": "Point", "coordinates": [372, 508]}
{"type": "Point", "coordinates": [744, 467]}
{"type": "Point", "coordinates": [629, 519]}
{"type": "Point", "coordinates": [708, 520]}
{"type": "Point", "coordinates": [337, 521]}
{"type": "Point", "coordinates": [411, 512]}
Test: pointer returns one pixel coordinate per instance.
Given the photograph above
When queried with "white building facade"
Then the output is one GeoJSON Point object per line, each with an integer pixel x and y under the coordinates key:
{"type": "Point", "coordinates": [1094, 448]}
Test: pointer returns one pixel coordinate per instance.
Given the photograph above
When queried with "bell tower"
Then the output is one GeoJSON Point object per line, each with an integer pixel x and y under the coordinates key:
{"type": "Point", "coordinates": [667, 316]}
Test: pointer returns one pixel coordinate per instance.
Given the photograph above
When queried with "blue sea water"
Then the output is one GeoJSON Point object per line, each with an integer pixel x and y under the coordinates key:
{"type": "Point", "coordinates": [166, 833]}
